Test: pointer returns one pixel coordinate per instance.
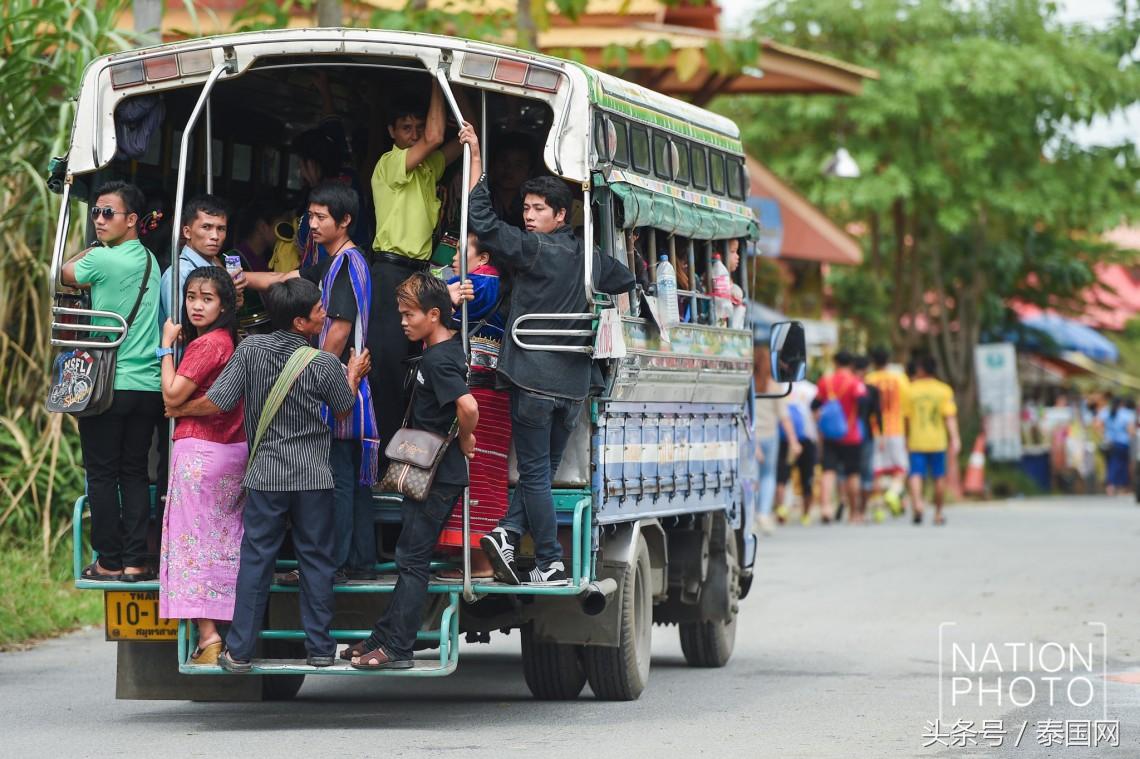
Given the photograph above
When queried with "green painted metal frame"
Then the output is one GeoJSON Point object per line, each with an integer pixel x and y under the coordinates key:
{"type": "Point", "coordinates": [581, 564]}
{"type": "Point", "coordinates": [448, 650]}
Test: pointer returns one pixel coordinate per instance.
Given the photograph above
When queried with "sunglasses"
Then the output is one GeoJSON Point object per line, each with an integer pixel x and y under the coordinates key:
{"type": "Point", "coordinates": [107, 212]}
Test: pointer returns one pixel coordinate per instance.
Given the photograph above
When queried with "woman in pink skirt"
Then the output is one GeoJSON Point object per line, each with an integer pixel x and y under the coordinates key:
{"type": "Point", "coordinates": [202, 527]}
{"type": "Point", "coordinates": [493, 433]}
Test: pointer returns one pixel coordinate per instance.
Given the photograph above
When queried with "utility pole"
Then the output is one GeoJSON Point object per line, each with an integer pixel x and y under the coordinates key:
{"type": "Point", "coordinates": [329, 13]}
{"type": "Point", "coordinates": [148, 20]}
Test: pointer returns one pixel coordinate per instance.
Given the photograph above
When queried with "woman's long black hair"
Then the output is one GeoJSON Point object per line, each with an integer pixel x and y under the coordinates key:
{"type": "Point", "coordinates": [227, 294]}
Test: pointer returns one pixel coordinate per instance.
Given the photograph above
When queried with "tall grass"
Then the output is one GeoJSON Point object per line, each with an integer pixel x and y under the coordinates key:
{"type": "Point", "coordinates": [44, 47]}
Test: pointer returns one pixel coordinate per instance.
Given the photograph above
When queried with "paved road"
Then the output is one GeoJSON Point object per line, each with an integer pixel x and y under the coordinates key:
{"type": "Point", "coordinates": [837, 656]}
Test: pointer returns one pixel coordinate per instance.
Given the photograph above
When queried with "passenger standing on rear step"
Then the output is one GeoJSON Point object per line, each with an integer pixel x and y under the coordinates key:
{"type": "Point", "coordinates": [288, 473]}
{"type": "Point", "coordinates": [440, 399]}
{"type": "Point", "coordinates": [546, 262]}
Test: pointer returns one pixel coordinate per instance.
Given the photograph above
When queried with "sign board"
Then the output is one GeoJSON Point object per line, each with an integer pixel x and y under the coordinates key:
{"type": "Point", "coordinates": [999, 399]}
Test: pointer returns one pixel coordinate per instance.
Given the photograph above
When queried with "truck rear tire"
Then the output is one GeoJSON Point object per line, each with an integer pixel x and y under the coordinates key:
{"type": "Point", "coordinates": [621, 673]}
{"type": "Point", "coordinates": [553, 671]}
{"type": "Point", "coordinates": [709, 643]}
{"type": "Point", "coordinates": [280, 687]}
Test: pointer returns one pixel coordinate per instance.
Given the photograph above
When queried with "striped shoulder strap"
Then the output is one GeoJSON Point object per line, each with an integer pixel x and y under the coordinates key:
{"type": "Point", "coordinates": [296, 364]}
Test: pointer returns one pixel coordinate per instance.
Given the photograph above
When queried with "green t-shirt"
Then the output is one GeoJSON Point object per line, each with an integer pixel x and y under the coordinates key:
{"type": "Point", "coordinates": [407, 208]}
{"type": "Point", "coordinates": [115, 275]}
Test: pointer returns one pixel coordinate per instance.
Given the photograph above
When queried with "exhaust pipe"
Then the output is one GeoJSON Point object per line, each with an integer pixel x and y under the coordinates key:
{"type": "Point", "coordinates": [596, 594]}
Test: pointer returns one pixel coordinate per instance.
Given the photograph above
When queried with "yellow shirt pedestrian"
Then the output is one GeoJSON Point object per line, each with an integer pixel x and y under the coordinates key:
{"type": "Point", "coordinates": [929, 404]}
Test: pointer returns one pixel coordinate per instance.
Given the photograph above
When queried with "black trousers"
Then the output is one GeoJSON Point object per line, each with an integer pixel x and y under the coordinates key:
{"type": "Point", "coordinates": [311, 513]}
{"type": "Point", "coordinates": [422, 523]}
{"type": "Point", "coordinates": [390, 349]}
{"type": "Point", "coordinates": [116, 450]}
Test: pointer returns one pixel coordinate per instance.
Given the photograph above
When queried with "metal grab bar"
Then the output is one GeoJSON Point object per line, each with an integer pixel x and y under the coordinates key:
{"type": "Point", "coordinates": [516, 332]}
{"type": "Point", "coordinates": [119, 329]}
{"type": "Point", "coordinates": [461, 248]}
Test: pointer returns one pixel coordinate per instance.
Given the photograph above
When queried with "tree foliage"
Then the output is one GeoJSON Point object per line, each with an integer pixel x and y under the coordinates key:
{"type": "Point", "coordinates": [973, 190]}
{"type": "Point", "coordinates": [44, 47]}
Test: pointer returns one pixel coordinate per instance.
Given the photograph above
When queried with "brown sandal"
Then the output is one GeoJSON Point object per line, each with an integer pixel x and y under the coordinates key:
{"type": "Point", "coordinates": [378, 659]}
{"type": "Point", "coordinates": [360, 648]}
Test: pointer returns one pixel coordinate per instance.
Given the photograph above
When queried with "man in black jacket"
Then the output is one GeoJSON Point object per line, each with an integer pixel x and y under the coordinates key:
{"type": "Point", "coordinates": [546, 262]}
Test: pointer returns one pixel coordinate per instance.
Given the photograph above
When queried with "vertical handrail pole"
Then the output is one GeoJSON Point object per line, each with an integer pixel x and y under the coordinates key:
{"type": "Point", "coordinates": [209, 151]}
{"type": "Point", "coordinates": [464, 197]}
{"type": "Point", "coordinates": [694, 308]}
{"type": "Point", "coordinates": [180, 190]}
{"type": "Point", "coordinates": [61, 227]}
{"type": "Point", "coordinates": [179, 200]}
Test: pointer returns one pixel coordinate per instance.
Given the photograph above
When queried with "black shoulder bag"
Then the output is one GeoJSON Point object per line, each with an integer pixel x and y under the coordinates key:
{"type": "Point", "coordinates": [83, 379]}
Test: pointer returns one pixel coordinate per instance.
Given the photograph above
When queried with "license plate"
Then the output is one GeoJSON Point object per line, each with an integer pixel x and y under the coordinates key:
{"type": "Point", "coordinates": [133, 615]}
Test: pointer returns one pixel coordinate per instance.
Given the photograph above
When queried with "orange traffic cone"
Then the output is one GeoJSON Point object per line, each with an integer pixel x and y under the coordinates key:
{"type": "Point", "coordinates": [975, 481]}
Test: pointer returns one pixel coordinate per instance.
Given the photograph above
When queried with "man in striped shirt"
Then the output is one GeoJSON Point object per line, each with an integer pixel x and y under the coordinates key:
{"type": "Point", "coordinates": [289, 474]}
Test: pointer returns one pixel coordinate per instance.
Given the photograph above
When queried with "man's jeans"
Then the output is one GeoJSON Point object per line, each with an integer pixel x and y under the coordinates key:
{"type": "Point", "coordinates": [541, 427]}
{"type": "Point", "coordinates": [354, 522]}
{"type": "Point", "coordinates": [264, 522]}
{"type": "Point", "coordinates": [422, 523]}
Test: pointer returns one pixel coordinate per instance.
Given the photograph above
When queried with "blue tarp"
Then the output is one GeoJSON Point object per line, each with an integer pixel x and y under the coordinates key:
{"type": "Point", "coordinates": [1073, 336]}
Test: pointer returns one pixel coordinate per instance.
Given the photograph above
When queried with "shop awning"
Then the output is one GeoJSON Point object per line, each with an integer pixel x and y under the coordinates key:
{"type": "Point", "coordinates": [1072, 336]}
{"type": "Point", "coordinates": [1097, 369]}
{"type": "Point", "coordinates": [645, 208]}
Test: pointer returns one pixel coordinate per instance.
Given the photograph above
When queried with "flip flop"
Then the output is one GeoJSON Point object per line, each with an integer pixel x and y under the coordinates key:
{"type": "Point", "coordinates": [91, 572]}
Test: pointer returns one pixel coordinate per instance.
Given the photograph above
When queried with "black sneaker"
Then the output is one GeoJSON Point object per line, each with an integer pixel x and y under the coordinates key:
{"type": "Point", "coordinates": [291, 579]}
{"type": "Point", "coordinates": [339, 577]}
{"type": "Point", "coordinates": [500, 546]}
{"type": "Point", "coordinates": [555, 574]}
{"type": "Point", "coordinates": [315, 660]}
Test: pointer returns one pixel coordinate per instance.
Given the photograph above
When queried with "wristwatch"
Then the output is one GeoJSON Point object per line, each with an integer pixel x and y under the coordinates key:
{"type": "Point", "coordinates": [159, 352]}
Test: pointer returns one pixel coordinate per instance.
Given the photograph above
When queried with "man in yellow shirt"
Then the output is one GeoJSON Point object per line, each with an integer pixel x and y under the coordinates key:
{"type": "Point", "coordinates": [932, 431]}
{"type": "Point", "coordinates": [407, 212]}
{"type": "Point", "coordinates": [890, 461]}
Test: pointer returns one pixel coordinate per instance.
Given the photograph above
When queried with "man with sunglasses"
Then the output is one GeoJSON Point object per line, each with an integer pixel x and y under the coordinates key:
{"type": "Point", "coordinates": [116, 443]}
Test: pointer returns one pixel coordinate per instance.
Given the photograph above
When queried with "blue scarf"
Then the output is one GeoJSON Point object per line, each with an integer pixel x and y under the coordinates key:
{"type": "Point", "coordinates": [361, 423]}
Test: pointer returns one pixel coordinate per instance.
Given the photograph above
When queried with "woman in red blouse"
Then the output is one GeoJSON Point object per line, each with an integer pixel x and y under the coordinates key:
{"type": "Point", "coordinates": [202, 527]}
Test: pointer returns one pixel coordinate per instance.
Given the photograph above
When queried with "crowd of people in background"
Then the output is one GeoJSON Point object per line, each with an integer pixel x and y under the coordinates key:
{"type": "Point", "coordinates": [1085, 443]}
{"type": "Point", "coordinates": [877, 433]}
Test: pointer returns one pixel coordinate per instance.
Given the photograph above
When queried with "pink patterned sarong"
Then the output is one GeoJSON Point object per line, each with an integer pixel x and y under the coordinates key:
{"type": "Point", "coordinates": [202, 530]}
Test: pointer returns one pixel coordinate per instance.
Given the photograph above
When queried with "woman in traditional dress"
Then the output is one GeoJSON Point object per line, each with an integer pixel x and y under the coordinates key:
{"type": "Point", "coordinates": [202, 525]}
{"type": "Point", "coordinates": [489, 469]}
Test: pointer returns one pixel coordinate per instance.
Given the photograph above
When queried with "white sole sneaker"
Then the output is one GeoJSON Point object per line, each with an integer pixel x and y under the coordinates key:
{"type": "Point", "coordinates": [501, 552]}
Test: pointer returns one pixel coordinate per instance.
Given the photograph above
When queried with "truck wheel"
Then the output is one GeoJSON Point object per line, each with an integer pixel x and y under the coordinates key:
{"type": "Point", "coordinates": [621, 673]}
{"type": "Point", "coordinates": [710, 643]}
{"type": "Point", "coordinates": [553, 671]}
{"type": "Point", "coordinates": [280, 687]}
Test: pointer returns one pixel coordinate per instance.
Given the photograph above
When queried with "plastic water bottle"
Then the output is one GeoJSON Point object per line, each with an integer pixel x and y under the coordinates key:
{"type": "Point", "coordinates": [667, 292]}
{"type": "Point", "coordinates": [739, 310]}
{"type": "Point", "coordinates": [722, 291]}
